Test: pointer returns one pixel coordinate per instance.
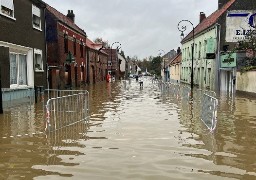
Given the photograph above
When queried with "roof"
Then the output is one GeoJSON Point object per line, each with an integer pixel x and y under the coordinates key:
{"type": "Point", "coordinates": [176, 59]}
{"type": "Point", "coordinates": [95, 46]}
{"type": "Point", "coordinates": [65, 20]}
{"type": "Point", "coordinates": [90, 44]}
{"type": "Point", "coordinates": [209, 21]}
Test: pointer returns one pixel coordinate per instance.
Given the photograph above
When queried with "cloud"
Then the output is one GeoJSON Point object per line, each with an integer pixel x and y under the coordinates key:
{"type": "Point", "coordinates": [141, 26]}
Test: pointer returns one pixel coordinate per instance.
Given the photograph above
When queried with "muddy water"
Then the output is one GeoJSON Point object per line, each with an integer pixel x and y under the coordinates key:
{"type": "Point", "coordinates": [133, 133]}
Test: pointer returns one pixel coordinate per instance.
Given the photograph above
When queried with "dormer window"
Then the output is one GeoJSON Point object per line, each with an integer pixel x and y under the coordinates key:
{"type": "Point", "coordinates": [36, 17]}
{"type": "Point", "coordinates": [7, 8]}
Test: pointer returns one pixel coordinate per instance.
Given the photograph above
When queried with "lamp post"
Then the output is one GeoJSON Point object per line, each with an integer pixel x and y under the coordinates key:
{"type": "Point", "coordinates": [162, 51]}
{"type": "Point", "coordinates": [183, 28]}
{"type": "Point", "coordinates": [111, 53]}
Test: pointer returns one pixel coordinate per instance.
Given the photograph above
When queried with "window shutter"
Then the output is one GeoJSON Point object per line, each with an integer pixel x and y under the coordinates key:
{"type": "Point", "coordinates": [5, 67]}
{"type": "Point", "coordinates": [7, 3]}
{"type": "Point", "coordinates": [35, 11]}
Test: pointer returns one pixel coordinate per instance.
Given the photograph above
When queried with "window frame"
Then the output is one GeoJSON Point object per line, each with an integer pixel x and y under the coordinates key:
{"type": "Point", "coordinates": [38, 52]}
{"type": "Point", "coordinates": [36, 11]}
{"type": "Point", "coordinates": [8, 8]}
{"type": "Point", "coordinates": [12, 86]}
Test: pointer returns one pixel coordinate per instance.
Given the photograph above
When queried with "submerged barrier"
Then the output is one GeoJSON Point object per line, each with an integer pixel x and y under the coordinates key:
{"type": "Point", "coordinates": [204, 99]}
{"type": "Point", "coordinates": [66, 107]}
{"type": "Point", "coordinates": [209, 111]}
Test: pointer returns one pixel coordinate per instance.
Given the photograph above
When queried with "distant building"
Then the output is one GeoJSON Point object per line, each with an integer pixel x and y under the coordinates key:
{"type": "Point", "coordinates": [165, 70]}
{"type": "Point", "coordinates": [113, 63]}
{"type": "Point", "coordinates": [122, 62]}
{"type": "Point", "coordinates": [175, 67]}
{"type": "Point", "coordinates": [97, 62]}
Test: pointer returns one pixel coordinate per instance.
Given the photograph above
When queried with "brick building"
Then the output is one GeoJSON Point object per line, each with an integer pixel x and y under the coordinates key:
{"type": "Point", "coordinates": [97, 62]}
{"type": "Point", "coordinates": [113, 63]}
{"type": "Point", "coordinates": [66, 55]}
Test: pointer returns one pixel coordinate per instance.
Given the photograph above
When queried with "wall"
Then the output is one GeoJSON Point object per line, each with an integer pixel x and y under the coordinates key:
{"type": "Point", "coordinates": [175, 72]}
{"type": "Point", "coordinates": [246, 81]}
{"type": "Point", "coordinates": [204, 69]}
{"type": "Point", "coordinates": [21, 32]}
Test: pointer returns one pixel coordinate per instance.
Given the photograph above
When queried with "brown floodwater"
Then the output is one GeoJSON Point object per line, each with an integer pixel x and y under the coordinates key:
{"type": "Point", "coordinates": [133, 133]}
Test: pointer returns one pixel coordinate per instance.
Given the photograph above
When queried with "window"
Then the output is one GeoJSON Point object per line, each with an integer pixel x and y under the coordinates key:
{"type": "Point", "coordinates": [82, 49]}
{"type": "Point", "coordinates": [74, 44]}
{"type": "Point", "coordinates": [195, 51]}
{"type": "Point", "coordinates": [205, 46]}
{"type": "Point", "coordinates": [38, 60]}
{"type": "Point", "coordinates": [7, 8]}
{"type": "Point", "coordinates": [199, 50]}
{"type": "Point", "coordinates": [18, 69]}
{"type": "Point", "coordinates": [65, 43]}
{"type": "Point", "coordinates": [36, 17]}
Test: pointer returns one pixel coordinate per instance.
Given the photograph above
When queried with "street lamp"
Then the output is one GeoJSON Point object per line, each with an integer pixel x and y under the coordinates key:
{"type": "Point", "coordinates": [183, 28]}
{"type": "Point", "coordinates": [162, 51]}
{"type": "Point", "coordinates": [111, 52]}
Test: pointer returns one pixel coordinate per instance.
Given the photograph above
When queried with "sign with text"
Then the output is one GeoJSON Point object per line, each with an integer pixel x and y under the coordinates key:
{"type": "Point", "coordinates": [240, 23]}
{"type": "Point", "coordinates": [228, 60]}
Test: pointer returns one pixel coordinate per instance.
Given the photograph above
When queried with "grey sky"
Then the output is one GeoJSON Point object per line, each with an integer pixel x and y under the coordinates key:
{"type": "Point", "coordinates": [141, 26]}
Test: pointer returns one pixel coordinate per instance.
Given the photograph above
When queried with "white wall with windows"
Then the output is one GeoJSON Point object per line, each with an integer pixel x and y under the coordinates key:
{"type": "Point", "coordinates": [204, 69]}
{"type": "Point", "coordinates": [21, 66]}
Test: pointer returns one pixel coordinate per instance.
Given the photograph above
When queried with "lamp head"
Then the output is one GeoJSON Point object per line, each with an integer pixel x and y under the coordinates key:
{"type": "Point", "coordinates": [182, 35]}
{"type": "Point", "coordinates": [70, 58]}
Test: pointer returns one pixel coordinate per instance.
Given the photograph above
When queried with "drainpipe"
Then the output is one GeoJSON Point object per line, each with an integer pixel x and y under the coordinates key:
{"type": "Point", "coordinates": [217, 65]}
{"type": "Point", "coordinates": [1, 94]}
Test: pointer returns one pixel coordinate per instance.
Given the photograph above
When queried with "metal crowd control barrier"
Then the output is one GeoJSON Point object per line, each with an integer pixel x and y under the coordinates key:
{"type": "Point", "coordinates": [66, 107]}
{"type": "Point", "coordinates": [209, 111]}
{"type": "Point", "coordinates": [186, 93]}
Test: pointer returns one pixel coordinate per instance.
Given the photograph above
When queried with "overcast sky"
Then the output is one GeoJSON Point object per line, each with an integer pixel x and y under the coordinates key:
{"type": "Point", "coordinates": [143, 27]}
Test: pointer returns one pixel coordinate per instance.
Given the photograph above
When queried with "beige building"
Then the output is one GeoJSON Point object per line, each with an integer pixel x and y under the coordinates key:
{"type": "Point", "coordinates": [175, 68]}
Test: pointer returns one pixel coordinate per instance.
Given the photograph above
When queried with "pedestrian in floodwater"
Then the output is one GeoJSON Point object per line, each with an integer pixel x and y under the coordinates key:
{"type": "Point", "coordinates": [137, 78]}
{"type": "Point", "coordinates": [141, 82]}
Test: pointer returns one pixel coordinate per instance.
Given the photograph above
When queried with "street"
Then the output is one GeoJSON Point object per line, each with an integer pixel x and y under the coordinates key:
{"type": "Point", "coordinates": [133, 133]}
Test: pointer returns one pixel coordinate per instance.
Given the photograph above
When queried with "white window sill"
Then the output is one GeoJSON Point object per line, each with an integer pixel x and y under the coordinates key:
{"type": "Point", "coordinates": [10, 17]}
{"type": "Point", "coordinates": [39, 70]}
{"type": "Point", "coordinates": [15, 87]}
{"type": "Point", "coordinates": [36, 28]}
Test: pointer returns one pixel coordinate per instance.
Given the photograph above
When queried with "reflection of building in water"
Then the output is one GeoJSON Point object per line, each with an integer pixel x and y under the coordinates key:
{"type": "Point", "coordinates": [235, 134]}
{"type": "Point", "coordinates": [26, 154]}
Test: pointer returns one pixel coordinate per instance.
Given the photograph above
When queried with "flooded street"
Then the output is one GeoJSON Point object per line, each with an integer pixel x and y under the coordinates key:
{"type": "Point", "coordinates": [133, 133]}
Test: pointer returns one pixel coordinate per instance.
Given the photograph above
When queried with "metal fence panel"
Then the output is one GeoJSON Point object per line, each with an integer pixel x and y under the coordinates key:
{"type": "Point", "coordinates": [209, 111]}
{"type": "Point", "coordinates": [66, 110]}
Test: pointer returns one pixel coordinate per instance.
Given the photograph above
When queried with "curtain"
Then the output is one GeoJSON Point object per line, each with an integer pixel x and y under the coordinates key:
{"type": "Point", "coordinates": [22, 70]}
{"type": "Point", "coordinates": [13, 69]}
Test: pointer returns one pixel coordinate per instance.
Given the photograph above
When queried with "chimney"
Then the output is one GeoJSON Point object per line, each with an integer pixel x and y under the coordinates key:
{"type": "Point", "coordinates": [71, 15]}
{"type": "Point", "coordinates": [221, 3]}
{"type": "Point", "coordinates": [202, 16]}
{"type": "Point", "coordinates": [178, 50]}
